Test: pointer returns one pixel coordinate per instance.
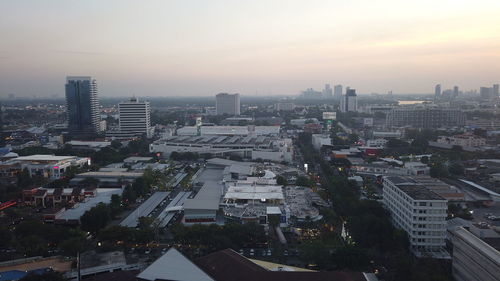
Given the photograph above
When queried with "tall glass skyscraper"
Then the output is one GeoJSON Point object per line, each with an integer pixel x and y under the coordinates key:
{"type": "Point", "coordinates": [82, 105]}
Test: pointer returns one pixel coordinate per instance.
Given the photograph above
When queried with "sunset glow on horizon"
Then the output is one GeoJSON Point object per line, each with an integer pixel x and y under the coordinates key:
{"type": "Point", "coordinates": [199, 48]}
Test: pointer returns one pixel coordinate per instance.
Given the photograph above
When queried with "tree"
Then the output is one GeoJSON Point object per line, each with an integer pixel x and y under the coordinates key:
{"type": "Point", "coordinates": [96, 218]}
{"type": "Point", "coordinates": [24, 179]}
{"type": "Point", "coordinates": [73, 245]}
{"type": "Point", "coordinates": [140, 186]}
{"type": "Point", "coordinates": [115, 205]}
{"type": "Point", "coordinates": [47, 276]}
{"type": "Point", "coordinates": [280, 180]}
{"type": "Point", "coordinates": [303, 181]}
{"type": "Point", "coordinates": [395, 143]}
{"type": "Point", "coordinates": [353, 138]}
{"type": "Point", "coordinates": [116, 144]}
{"type": "Point", "coordinates": [350, 257]}
{"type": "Point", "coordinates": [116, 233]}
{"type": "Point", "coordinates": [438, 170]}
{"type": "Point", "coordinates": [129, 195]}
{"type": "Point", "coordinates": [424, 159]}
{"type": "Point", "coordinates": [316, 253]}
{"type": "Point", "coordinates": [456, 169]}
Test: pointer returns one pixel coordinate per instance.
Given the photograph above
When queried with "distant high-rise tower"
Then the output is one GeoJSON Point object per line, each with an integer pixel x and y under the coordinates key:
{"type": "Point", "coordinates": [455, 91]}
{"type": "Point", "coordinates": [227, 104]}
{"type": "Point", "coordinates": [337, 92]}
{"type": "Point", "coordinates": [496, 92]}
{"type": "Point", "coordinates": [82, 105]}
{"type": "Point", "coordinates": [135, 117]}
{"type": "Point", "coordinates": [327, 92]}
{"type": "Point", "coordinates": [437, 91]}
{"type": "Point", "coordinates": [486, 92]}
{"type": "Point", "coordinates": [349, 101]}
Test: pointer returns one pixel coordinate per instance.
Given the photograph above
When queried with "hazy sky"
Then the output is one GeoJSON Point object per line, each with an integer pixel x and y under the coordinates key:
{"type": "Point", "coordinates": [179, 48]}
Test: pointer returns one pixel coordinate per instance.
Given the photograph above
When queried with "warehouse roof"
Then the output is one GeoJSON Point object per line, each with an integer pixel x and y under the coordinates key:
{"type": "Point", "coordinates": [254, 192]}
{"type": "Point", "coordinates": [44, 157]}
{"type": "Point", "coordinates": [208, 197]}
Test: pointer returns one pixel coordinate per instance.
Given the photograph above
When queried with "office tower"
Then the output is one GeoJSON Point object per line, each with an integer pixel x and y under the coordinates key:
{"type": "Point", "coordinates": [227, 104]}
{"type": "Point", "coordinates": [327, 92]}
{"type": "Point", "coordinates": [418, 211]}
{"type": "Point", "coordinates": [337, 92]}
{"type": "Point", "coordinates": [135, 117]}
{"type": "Point", "coordinates": [486, 92]}
{"type": "Point", "coordinates": [425, 117]}
{"type": "Point", "coordinates": [82, 105]}
{"type": "Point", "coordinates": [496, 92]}
{"type": "Point", "coordinates": [455, 91]}
{"type": "Point", "coordinates": [437, 91]}
{"type": "Point", "coordinates": [349, 101]}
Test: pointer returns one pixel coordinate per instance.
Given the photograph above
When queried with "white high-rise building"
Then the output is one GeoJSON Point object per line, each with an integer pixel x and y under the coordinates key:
{"type": "Point", "coordinates": [227, 104]}
{"type": "Point", "coordinates": [135, 117]}
{"type": "Point", "coordinates": [418, 211]}
{"type": "Point", "coordinates": [349, 101]}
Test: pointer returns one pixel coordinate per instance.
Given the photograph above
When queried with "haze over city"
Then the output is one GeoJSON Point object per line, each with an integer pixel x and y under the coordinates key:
{"type": "Point", "coordinates": [199, 48]}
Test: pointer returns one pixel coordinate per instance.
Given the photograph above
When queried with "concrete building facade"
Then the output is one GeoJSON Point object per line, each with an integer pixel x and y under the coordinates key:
{"type": "Point", "coordinates": [82, 105]}
{"type": "Point", "coordinates": [227, 104]}
{"type": "Point", "coordinates": [135, 117]}
{"type": "Point", "coordinates": [425, 117]}
{"type": "Point", "coordinates": [418, 211]}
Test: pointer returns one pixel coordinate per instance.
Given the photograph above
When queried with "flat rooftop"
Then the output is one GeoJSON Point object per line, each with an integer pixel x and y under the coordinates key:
{"type": "Point", "coordinates": [103, 196]}
{"type": "Point", "coordinates": [256, 192]}
{"type": "Point", "coordinates": [229, 130]}
{"type": "Point", "coordinates": [416, 187]}
{"type": "Point", "coordinates": [208, 198]}
{"type": "Point", "coordinates": [113, 174]}
{"type": "Point", "coordinates": [418, 192]}
{"type": "Point", "coordinates": [43, 157]}
{"type": "Point", "coordinates": [134, 159]}
{"type": "Point", "coordinates": [144, 209]}
{"type": "Point", "coordinates": [218, 140]}
{"type": "Point", "coordinates": [209, 195]}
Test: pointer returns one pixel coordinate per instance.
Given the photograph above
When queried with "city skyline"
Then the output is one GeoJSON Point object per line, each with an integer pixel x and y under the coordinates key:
{"type": "Point", "coordinates": [259, 48]}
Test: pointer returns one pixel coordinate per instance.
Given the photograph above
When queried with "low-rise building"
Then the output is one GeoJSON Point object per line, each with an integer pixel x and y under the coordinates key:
{"type": "Point", "coordinates": [284, 106]}
{"type": "Point", "coordinates": [319, 140]}
{"type": "Point", "coordinates": [464, 140]}
{"type": "Point", "coordinates": [379, 142]}
{"type": "Point", "coordinates": [250, 130]}
{"type": "Point", "coordinates": [389, 134]}
{"type": "Point", "coordinates": [254, 147]}
{"type": "Point", "coordinates": [47, 166]}
{"type": "Point", "coordinates": [106, 179]}
{"type": "Point", "coordinates": [89, 145]}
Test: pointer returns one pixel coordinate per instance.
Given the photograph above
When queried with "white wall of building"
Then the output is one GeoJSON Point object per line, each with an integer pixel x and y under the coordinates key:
{"type": "Point", "coordinates": [135, 117]}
